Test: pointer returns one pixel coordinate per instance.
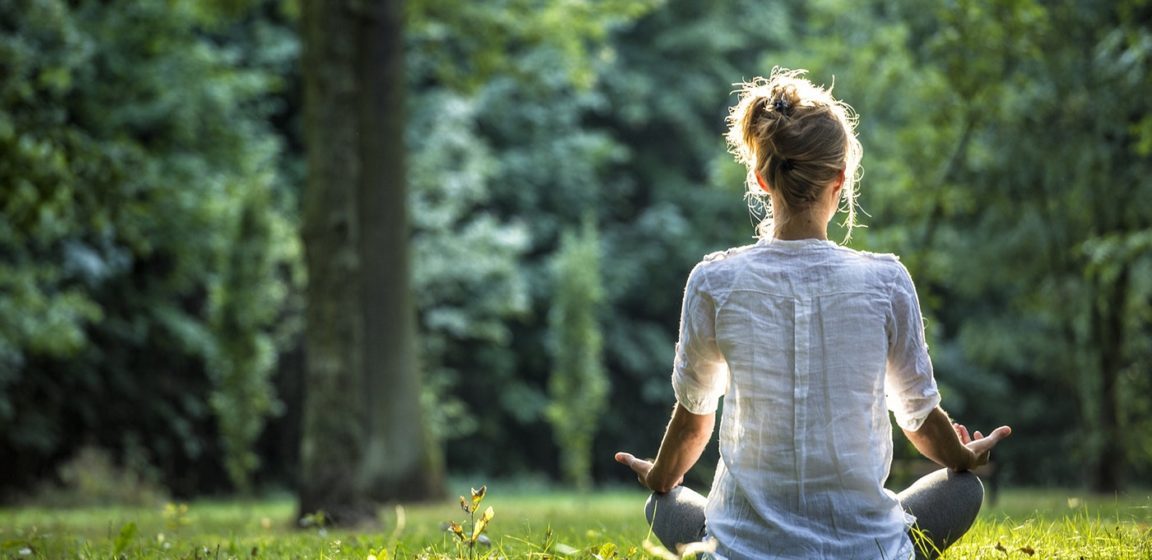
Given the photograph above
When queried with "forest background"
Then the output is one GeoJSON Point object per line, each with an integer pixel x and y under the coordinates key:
{"type": "Point", "coordinates": [561, 156]}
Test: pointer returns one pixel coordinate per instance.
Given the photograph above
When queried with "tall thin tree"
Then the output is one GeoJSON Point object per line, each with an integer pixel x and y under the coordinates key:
{"type": "Point", "coordinates": [364, 438]}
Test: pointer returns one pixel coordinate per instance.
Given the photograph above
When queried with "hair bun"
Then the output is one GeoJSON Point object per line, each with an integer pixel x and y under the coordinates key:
{"type": "Point", "coordinates": [795, 140]}
{"type": "Point", "coordinates": [785, 99]}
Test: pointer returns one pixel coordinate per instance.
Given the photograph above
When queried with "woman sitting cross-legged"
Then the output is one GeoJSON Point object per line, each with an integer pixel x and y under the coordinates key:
{"type": "Point", "coordinates": [811, 344]}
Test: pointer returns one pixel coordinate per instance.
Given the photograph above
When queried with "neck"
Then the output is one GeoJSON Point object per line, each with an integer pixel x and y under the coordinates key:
{"type": "Point", "coordinates": [807, 223]}
{"type": "Point", "coordinates": [804, 225]}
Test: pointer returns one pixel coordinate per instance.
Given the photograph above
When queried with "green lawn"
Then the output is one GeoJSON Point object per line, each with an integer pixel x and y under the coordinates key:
{"type": "Point", "coordinates": [1022, 524]}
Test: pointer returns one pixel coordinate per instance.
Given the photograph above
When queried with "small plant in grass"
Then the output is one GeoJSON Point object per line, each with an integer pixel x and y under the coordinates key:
{"type": "Point", "coordinates": [318, 519]}
{"type": "Point", "coordinates": [469, 536]}
{"type": "Point", "coordinates": [176, 516]}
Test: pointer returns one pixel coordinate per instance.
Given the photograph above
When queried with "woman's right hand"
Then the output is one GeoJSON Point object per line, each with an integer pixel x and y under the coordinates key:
{"type": "Point", "coordinates": [643, 469]}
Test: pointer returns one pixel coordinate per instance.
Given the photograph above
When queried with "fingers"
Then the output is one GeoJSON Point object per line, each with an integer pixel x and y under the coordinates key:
{"type": "Point", "coordinates": [962, 432]}
{"type": "Point", "coordinates": [640, 466]}
{"type": "Point", "coordinates": [997, 434]}
{"type": "Point", "coordinates": [966, 438]}
{"type": "Point", "coordinates": [984, 444]}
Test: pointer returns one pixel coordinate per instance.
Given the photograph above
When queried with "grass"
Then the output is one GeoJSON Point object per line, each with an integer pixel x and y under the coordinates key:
{"type": "Point", "coordinates": [538, 525]}
{"type": "Point", "coordinates": [1058, 525]}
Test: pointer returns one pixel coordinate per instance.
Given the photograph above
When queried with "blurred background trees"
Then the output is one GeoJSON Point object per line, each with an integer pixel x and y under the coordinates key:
{"type": "Point", "coordinates": [147, 238]}
{"type": "Point", "coordinates": [151, 176]}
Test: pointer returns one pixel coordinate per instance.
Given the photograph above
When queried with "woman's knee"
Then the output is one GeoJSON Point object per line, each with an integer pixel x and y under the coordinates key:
{"type": "Point", "coordinates": [676, 517]}
{"type": "Point", "coordinates": [958, 493]}
{"type": "Point", "coordinates": [674, 500]}
{"type": "Point", "coordinates": [969, 488]}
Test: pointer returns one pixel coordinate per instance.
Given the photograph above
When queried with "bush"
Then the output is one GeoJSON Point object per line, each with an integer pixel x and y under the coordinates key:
{"type": "Point", "coordinates": [92, 478]}
{"type": "Point", "coordinates": [579, 384]}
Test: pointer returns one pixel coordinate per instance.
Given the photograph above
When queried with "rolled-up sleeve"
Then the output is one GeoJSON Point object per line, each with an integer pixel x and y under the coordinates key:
{"type": "Point", "coordinates": [699, 374]}
{"type": "Point", "coordinates": [909, 383]}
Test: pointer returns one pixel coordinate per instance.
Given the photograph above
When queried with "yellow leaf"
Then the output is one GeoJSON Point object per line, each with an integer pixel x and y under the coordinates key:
{"type": "Point", "coordinates": [464, 505]}
{"type": "Point", "coordinates": [478, 496]}
{"type": "Point", "coordinates": [482, 523]}
{"type": "Point", "coordinates": [457, 529]}
{"type": "Point", "coordinates": [607, 550]}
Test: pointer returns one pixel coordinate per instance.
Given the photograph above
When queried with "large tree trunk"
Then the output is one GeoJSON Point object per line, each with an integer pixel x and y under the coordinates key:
{"type": "Point", "coordinates": [401, 461]}
{"type": "Point", "coordinates": [364, 439]}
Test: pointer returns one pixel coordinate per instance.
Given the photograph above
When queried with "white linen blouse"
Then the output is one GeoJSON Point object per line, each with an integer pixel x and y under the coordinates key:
{"type": "Point", "coordinates": [811, 344]}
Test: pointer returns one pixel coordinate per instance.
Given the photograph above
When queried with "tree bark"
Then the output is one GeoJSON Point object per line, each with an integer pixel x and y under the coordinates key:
{"type": "Point", "coordinates": [364, 439]}
{"type": "Point", "coordinates": [400, 460]}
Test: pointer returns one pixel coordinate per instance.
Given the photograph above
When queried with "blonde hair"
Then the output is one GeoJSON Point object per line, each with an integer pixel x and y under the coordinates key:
{"type": "Point", "coordinates": [799, 139]}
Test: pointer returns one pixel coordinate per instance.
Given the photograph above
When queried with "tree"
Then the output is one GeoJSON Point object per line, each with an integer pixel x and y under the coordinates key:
{"type": "Point", "coordinates": [1005, 145]}
{"type": "Point", "coordinates": [503, 160]}
{"type": "Point", "coordinates": [136, 158]}
{"type": "Point", "coordinates": [364, 438]}
{"type": "Point", "coordinates": [1048, 204]}
{"type": "Point", "coordinates": [578, 385]}
{"type": "Point", "coordinates": [465, 261]}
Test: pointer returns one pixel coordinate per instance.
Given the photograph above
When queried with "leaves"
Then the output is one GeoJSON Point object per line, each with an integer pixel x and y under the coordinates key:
{"type": "Point", "coordinates": [475, 535]}
{"type": "Point", "coordinates": [176, 516]}
{"type": "Point", "coordinates": [579, 383]}
{"type": "Point", "coordinates": [139, 169]}
{"type": "Point", "coordinates": [482, 523]}
{"type": "Point", "coordinates": [478, 496]}
{"type": "Point", "coordinates": [457, 530]}
{"type": "Point", "coordinates": [124, 539]}
{"type": "Point", "coordinates": [515, 28]}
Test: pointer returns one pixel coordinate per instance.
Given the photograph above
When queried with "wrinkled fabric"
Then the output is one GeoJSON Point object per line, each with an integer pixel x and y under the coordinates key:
{"type": "Point", "coordinates": [810, 344]}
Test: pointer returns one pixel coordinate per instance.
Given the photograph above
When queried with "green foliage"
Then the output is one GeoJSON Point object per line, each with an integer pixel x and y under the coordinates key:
{"type": "Point", "coordinates": [124, 539]}
{"type": "Point", "coordinates": [515, 149]}
{"type": "Point", "coordinates": [149, 268]}
{"type": "Point", "coordinates": [91, 478]}
{"type": "Point", "coordinates": [579, 384]}
{"type": "Point", "coordinates": [245, 323]}
{"type": "Point", "coordinates": [1002, 146]}
{"type": "Point", "coordinates": [465, 273]}
{"type": "Point", "coordinates": [136, 156]}
{"type": "Point", "coordinates": [464, 44]}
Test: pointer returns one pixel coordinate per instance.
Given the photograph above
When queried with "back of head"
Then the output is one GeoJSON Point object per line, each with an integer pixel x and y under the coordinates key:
{"type": "Point", "coordinates": [798, 138]}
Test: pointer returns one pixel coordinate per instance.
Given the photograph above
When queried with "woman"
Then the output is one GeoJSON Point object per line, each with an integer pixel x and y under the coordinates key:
{"type": "Point", "coordinates": [811, 344]}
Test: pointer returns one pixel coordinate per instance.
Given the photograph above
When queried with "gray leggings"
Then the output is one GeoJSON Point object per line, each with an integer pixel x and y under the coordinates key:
{"type": "Point", "coordinates": [944, 502]}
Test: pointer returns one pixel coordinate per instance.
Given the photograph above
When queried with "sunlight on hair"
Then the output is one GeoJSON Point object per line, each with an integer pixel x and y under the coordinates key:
{"type": "Point", "coordinates": [799, 139]}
